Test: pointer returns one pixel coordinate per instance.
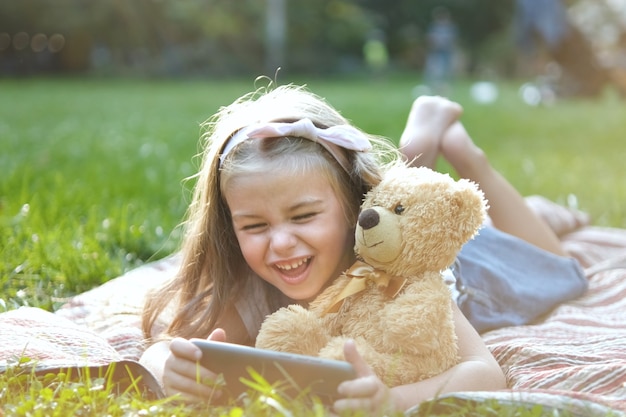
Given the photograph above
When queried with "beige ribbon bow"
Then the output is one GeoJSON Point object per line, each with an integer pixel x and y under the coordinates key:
{"type": "Point", "coordinates": [360, 272]}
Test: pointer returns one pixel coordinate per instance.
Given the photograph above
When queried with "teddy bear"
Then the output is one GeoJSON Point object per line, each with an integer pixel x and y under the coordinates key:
{"type": "Point", "coordinates": [393, 302]}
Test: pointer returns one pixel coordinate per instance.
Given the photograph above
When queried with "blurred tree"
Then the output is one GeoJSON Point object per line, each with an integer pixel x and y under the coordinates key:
{"type": "Point", "coordinates": [275, 34]}
{"type": "Point", "coordinates": [326, 35]}
{"type": "Point", "coordinates": [224, 37]}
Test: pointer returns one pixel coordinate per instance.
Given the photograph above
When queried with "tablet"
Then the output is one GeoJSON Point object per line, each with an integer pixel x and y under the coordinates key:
{"type": "Point", "coordinates": [294, 372]}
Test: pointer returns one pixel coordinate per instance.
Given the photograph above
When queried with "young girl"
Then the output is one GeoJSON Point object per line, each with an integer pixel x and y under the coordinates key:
{"type": "Point", "coordinates": [272, 223]}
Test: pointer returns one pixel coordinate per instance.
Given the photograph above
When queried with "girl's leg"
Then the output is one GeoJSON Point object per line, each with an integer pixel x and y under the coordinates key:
{"type": "Point", "coordinates": [432, 129]}
{"type": "Point", "coordinates": [507, 208]}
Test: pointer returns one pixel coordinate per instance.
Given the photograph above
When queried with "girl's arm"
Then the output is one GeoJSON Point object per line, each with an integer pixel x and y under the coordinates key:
{"type": "Point", "coordinates": [153, 358]}
{"type": "Point", "coordinates": [477, 370]}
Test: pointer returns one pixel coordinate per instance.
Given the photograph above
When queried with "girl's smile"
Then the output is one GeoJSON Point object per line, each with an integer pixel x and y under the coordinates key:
{"type": "Point", "coordinates": [293, 271]}
{"type": "Point", "coordinates": [291, 229]}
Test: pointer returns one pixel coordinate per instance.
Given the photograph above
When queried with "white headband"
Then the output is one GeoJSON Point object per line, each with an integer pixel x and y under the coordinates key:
{"type": "Point", "coordinates": [332, 138]}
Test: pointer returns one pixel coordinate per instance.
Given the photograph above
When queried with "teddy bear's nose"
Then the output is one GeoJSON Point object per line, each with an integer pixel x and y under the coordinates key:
{"type": "Point", "coordinates": [368, 218]}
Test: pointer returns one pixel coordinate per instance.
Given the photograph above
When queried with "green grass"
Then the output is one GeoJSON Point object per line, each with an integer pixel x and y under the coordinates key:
{"type": "Point", "coordinates": [61, 395]}
{"type": "Point", "coordinates": [93, 170]}
{"type": "Point", "coordinates": [92, 178]}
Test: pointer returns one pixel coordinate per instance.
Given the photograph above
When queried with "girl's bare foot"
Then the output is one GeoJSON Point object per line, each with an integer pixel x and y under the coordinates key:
{"type": "Point", "coordinates": [429, 118]}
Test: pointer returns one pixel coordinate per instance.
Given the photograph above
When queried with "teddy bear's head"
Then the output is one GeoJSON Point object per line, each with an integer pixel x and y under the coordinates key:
{"type": "Point", "coordinates": [417, 220]}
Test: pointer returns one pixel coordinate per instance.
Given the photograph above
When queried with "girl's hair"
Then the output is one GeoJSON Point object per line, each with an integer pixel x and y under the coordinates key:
{"type": "Point", "coordinates": [213, 270]}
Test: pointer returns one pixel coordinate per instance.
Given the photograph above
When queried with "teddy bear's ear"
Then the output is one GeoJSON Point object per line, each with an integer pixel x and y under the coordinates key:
{"type": "Point", "coordinates": [468, 208]}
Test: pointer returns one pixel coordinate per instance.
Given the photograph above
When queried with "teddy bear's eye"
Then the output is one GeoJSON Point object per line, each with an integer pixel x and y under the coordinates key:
{"type": "Point", "coordinates": [398, 209]}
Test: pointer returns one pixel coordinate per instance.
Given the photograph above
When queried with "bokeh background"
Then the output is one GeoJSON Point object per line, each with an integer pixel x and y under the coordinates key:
{"type": "Point", "coordinates": [570, 42]}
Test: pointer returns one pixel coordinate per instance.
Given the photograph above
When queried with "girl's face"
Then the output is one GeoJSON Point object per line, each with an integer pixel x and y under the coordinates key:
{"type": "Point", "coordinates": [291, 229]}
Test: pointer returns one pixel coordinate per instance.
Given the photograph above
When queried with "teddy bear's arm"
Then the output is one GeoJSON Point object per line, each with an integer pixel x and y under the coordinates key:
{"type": "Point", "coordinates": [293, 329]}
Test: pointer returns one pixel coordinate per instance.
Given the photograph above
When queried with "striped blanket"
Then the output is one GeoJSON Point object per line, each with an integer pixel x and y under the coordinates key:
{"type": "Point", "coordinates": [578, 349]}
{"type": "Point", "coordinates": [576, 353]}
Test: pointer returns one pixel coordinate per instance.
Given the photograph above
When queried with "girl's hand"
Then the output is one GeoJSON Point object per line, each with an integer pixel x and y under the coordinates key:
{"type": "Point", "coordinates": [183, 373]}
{"type": "Point", "coordinates": [367, 392]}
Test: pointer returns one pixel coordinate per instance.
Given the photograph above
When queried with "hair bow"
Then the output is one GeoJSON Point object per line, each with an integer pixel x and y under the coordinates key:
{"type": "Point", "coordinates": [332, 138]}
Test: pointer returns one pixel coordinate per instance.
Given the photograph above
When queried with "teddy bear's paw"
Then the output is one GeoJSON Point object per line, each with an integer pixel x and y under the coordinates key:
{"type": "Point", "coordinates": [334, 349]}
{"type": "Point", "coordinates": [385, 365]}
{"type": "Point", "coordinates": [293, 329]}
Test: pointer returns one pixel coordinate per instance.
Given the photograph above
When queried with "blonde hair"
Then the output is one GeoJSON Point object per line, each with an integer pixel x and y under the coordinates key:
{"type": "Point", "coordinates": [213, 270]}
